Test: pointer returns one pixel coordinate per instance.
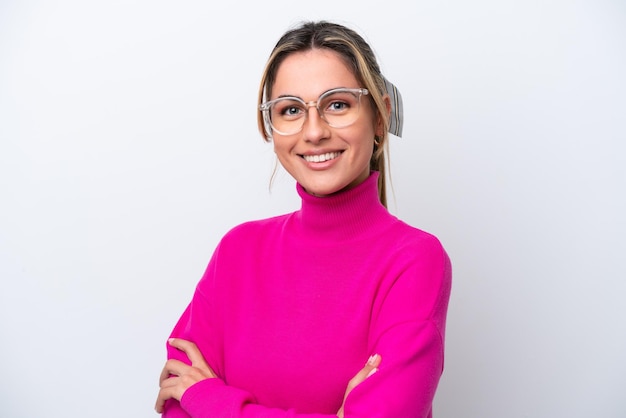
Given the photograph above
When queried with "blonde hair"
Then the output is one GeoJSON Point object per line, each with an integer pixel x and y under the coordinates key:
{"type": "Point", "coordinates": [359, 58]}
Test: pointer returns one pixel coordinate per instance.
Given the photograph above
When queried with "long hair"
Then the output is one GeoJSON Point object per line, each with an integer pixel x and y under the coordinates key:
{"type": "Point", "coordinates": [359, 58]}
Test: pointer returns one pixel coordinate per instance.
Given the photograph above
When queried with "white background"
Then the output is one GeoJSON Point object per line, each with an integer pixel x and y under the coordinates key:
{"type": "Point", "coordinates": [128, 146]}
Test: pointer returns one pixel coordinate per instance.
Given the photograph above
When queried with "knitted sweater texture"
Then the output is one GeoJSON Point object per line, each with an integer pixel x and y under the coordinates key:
{"type": "Point", "coordinates": [290, 308]}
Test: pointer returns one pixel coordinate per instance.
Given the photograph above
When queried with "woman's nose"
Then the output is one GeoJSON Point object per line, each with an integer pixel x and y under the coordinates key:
{"type": "Point", "coordinates": [315, 127]}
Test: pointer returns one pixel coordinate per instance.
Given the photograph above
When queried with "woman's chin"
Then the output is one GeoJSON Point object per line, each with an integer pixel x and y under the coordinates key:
{"type": "Point", "coordinates": [322, 190]}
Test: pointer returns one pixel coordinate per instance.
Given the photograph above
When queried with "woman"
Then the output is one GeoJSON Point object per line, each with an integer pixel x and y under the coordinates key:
{"type": "Point", "coordinates": [339, 308]}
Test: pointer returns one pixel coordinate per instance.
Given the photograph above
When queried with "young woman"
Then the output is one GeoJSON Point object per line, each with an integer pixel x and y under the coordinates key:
{"type": "Point", "coordinates": [339, 308]}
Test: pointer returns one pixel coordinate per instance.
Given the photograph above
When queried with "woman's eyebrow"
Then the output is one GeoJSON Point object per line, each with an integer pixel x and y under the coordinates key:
{"type": "Point", "coordinates": [282, 96]}
{"type": "Point", "coordinates": [321, 94]}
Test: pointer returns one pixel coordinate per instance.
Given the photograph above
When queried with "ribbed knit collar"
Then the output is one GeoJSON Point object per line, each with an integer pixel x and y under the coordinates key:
{"type": "Point", "coordinates": [346, 215]}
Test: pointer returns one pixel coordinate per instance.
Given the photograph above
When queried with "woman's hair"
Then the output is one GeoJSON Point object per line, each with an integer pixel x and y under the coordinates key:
{"type": "Point", "coordinates": [359, 58]}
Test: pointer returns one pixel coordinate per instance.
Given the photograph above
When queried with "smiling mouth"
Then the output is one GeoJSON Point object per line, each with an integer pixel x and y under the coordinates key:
{"type": "Point", "coordinates": [321, 157]}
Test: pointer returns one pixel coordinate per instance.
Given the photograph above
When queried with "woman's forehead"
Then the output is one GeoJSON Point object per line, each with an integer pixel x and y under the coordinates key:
{"type": "Point", "coordinates": [311, 73]}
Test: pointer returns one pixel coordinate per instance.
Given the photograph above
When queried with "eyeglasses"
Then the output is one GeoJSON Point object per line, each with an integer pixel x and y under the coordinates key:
{"type": "Point", "coordinates": [339, 108]}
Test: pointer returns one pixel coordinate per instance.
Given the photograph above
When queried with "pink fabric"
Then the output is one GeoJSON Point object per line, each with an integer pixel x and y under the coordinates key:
{"type": "Point", "coordinates": [290, 308]}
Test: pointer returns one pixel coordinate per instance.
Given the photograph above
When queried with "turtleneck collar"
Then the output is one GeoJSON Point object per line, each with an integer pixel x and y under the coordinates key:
{"type": "Point", "coordinates": [344, 215]}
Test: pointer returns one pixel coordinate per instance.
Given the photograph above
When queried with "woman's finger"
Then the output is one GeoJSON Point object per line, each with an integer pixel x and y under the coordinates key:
{"type": "Point", "coordinates": [177, 376]}
{"type": "Point", "coordinates": [168, 383]}
{"type": "Point", "coordinates": [172, 368]}
{"type": "Point", "coordinates": [164, 395]}
{"type": "Point", "coordinates": [369, 369]}
{"type": "Point", "coordinates": [189, 348]}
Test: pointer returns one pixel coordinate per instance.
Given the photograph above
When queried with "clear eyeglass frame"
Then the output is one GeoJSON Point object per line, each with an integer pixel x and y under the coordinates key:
{"type": "Point", "coordinates": [298, 123]}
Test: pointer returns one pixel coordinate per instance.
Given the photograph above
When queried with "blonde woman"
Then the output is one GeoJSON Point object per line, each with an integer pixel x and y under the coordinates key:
{"type": "Point", "coordinates": [339, 308]}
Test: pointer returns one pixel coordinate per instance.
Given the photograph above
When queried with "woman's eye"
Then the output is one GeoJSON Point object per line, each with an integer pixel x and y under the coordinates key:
{"type": "Point", "coordinates": [291, 111]}
{"type": "Point", "coordinates": [337, 106]}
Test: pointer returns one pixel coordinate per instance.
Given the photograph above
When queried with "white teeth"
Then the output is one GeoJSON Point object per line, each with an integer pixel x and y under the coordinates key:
{"type": "Point", "coordinates": [321, 158]}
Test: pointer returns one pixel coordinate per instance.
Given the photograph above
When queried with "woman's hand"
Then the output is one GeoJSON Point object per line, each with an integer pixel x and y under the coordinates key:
{"type": "Point", "coordinates": [370, 368]}
{"type": "Point", "coordinates": [177, 376]}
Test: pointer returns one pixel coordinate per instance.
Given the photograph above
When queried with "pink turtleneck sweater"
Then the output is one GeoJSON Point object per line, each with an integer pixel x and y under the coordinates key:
{"type": "Point", "coordinates": [290, 308]}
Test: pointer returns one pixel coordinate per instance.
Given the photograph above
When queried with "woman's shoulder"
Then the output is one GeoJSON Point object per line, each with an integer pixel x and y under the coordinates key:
{"type": "Point", "coordinates": [411, 236]}
{"type": "Point", "coordinates": [255, 229]}
{"type": "Point", "coordinates": [424, 254]}
{"type": "Point", "coordinates": [419, 245]}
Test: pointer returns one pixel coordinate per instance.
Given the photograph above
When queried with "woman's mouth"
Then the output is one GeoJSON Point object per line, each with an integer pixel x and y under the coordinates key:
{"type": "Point", "coordinates": [320, 158]}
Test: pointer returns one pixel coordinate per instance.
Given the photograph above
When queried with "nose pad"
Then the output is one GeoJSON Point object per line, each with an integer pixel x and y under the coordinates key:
{"type": "Point", "coordinates": [315, 127]}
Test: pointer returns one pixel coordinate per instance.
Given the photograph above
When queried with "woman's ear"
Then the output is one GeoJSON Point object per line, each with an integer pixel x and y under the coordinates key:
{"type": "Point", "coordinates": [380, 127]}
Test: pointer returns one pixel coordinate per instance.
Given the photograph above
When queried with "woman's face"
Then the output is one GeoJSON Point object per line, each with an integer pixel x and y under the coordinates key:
{"type": "Point", "coordinates": [342, 154]}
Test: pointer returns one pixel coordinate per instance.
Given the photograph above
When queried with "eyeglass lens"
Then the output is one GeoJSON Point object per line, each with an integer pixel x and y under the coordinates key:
{"type": "Point", "coordinates": [338, 108]}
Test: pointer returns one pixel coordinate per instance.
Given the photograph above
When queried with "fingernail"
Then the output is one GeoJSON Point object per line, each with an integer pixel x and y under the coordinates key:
{"type": "Point", "coordinates": [372, 359]}
{"type": "Point", "coordinates": [374, 370]}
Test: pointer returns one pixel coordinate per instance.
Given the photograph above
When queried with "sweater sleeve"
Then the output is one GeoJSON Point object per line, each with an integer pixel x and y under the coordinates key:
{"type": "Point", "coordinates": [201, 323]}
{"type": "Point", "coordinates": [407, 330]}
